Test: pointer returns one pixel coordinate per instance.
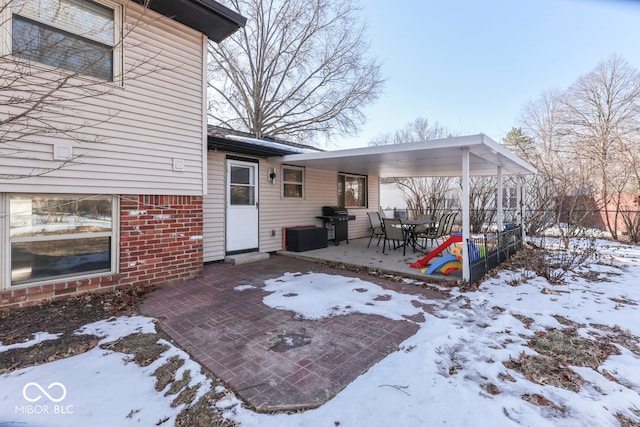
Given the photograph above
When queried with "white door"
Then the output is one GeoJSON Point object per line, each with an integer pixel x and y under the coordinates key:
{"type": "Point", "coordinates": [242, 206]}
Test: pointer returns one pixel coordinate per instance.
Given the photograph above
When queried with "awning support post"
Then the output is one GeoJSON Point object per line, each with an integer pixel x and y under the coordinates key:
{"type": "Point", "coordinates": [521, 204]}
{"type": "Point", "coordinates": [466, 219]}
{"type": "Point", "coordinates": [499, 206]}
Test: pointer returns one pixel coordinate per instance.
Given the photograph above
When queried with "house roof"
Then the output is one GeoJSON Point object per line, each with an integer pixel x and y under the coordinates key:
{"type": "Point", "coordinates": [234, 141]}
{"type": "Point", "coordinates": [207, 16]}
{"type": "Point", "coordinates": [440, 157]}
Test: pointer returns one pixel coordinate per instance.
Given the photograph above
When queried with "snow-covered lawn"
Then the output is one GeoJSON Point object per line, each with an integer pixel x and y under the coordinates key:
{"type": "Point", "coordinates": [459, 369]}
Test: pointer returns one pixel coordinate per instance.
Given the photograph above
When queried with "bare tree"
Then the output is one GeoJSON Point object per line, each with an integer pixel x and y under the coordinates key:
{"type": "Point", "coordinates": [47, 79]}
{"type": "Point", "coordinates": [299, 68]}
{"type": "Point", "coordinates": [542, 152]}
{"type": "Point", "coordinates": [482, 202]}
{"type": "Point", "coordinates": [557, 195]}
{"type": "Point", "coordinates": [422, 195]}
{"type": "Point", "coordinates": [418, 130]}
{"type": "Point", "coordinates": [629, 214]}
{"type": "Point", "coordinates": [584, 141]}
{"type": "Point", "coordinates": [629, 202]}
{"type": "Point", "coordinates": [428, 196]}
{"type": "Point", "coordinates": [603, 122]}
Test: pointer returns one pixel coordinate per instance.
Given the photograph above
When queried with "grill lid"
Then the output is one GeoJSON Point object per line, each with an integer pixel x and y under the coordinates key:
{"type": "Point", "coordinates": [334, 211]}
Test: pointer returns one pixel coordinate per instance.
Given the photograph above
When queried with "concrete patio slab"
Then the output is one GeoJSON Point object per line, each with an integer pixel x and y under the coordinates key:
{"type": "Point", "coordinates": [357, 254]}
{"type": "Point", "coordinates": [237, 337]}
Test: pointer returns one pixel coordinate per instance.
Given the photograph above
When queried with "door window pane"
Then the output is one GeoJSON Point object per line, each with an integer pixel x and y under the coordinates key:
{"type": "Point", "coordinates": [242, 195]}
{"type": "Point", "coordinates": [242, 186]}
{"type": "Point", "coordinates": [241, 175]}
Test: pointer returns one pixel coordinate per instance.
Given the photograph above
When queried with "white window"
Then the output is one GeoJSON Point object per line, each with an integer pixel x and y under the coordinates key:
{"type": "Point", "coordinates": [293, 182]}
{"type": "Point", "coordinates": [352, 191]}
{"type": "Point", "coordinates": [75, 35]}
{"type": "Point", "coordinates": [509, 198]}
{"type": "Point", "coordinates": [53, 237]}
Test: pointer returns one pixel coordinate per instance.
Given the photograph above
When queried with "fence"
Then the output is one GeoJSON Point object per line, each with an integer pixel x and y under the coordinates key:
{"type": "Point", "coordinates": [489, 250]}
{"type": "Point", "coordinates": [623, 224]}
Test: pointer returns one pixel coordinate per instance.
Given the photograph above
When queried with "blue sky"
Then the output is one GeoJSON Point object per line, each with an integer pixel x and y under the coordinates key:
{"type": "Point", "coordinates": [472, 65]}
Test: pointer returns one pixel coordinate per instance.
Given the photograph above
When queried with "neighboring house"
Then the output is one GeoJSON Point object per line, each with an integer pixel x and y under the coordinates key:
{"type": "Point", "coordinates": [113, 197]}
{"type": "Point", "coordinates": [619, 216]}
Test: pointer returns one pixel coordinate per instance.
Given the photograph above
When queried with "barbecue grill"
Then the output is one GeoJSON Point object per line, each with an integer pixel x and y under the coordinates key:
{"type": "Point", "coordinates": [338, 218]}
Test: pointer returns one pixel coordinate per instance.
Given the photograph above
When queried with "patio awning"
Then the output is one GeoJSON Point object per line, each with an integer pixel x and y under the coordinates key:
{"type": "Point", "coordinates": [463, 156]}
{"type": "Point", "coordinates": [439, 157]}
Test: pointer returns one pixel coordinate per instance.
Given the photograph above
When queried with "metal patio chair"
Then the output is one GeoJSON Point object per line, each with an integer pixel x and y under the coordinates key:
{"type": "Point", "coordinates": [438, 233]}
{"type": "Point", "coordinates": [377, 228]}
{"type": "Point", "coordinates": [393, 231]}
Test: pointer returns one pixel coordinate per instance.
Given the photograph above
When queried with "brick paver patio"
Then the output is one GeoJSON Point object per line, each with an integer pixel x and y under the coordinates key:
{"type": "Point", "coordinates": [241, 340]}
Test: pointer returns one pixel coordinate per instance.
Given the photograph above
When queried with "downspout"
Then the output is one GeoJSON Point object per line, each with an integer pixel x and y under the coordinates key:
{"type": "Point", "coordinates": [466, 218]}
{"type": "Point", "coordinates": [205, 173]}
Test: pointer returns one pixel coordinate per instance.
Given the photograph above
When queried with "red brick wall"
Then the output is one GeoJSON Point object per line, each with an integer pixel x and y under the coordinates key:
{"type": "Point", "coordinates": [160, 242]}
{"type": "Point", "coordinates": [629, 203]}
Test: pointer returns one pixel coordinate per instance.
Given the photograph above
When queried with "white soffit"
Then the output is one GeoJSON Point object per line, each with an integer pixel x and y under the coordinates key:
{"type": "Point", "coordinates": [439, 157]}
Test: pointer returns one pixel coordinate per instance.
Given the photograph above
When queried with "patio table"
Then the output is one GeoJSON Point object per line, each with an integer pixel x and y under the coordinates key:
{"type": "Point", "coordinates": [410, 225]}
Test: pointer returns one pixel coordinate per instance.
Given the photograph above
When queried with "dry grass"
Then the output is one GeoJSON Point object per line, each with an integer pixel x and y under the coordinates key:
{"type": "Point", "coordinates": [145, 349]}
{"type": "Point", "coordinates": [539, 400]}
{"type": "Point", "coordinates": [569, 349]}
{"type": "Point", "coordinates": [626, 421]}
{"type": "Point", "coordinates": [559, 349]}
{"type": "Point", "coordinates": [527, 321]}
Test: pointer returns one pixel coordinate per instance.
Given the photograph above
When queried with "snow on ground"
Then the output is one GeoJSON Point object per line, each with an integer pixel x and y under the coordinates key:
{"type": "Point", "coordinates": [324, 295]}
{"type": "Point", "coordinates": [96, 388]}
{"type": "Point", "coordinates": [442, 374]}
{"type": "Point", "coordinates": [450, 372]}
{"type": "Point", "coordinates": [37, 338]}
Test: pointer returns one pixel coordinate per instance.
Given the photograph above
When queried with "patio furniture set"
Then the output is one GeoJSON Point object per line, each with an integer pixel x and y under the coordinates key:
{"type": "Point", "coordinates": [414, 233]}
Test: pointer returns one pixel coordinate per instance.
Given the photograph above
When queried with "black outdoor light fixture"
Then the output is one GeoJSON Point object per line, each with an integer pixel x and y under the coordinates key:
{"type": "Point", "coordinates": [272, 176]}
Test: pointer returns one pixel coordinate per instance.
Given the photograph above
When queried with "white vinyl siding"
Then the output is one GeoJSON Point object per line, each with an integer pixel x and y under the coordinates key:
{"type": "Point", "coordinates": [136, 129]}
{"type": "Point", "coordinates": [213, 206]}
{"type": "Point", "coordinates": [277, 212]}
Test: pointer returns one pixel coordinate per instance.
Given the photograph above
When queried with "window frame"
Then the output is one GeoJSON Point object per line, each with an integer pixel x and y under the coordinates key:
{"type": "Point", "coordinates": [7, 241]}
{"type": "Point", "coordinates": [296, 183]}
{"type": "Point", "coordinates": [509, 197]}
{"type": "Point", "coordinates": [6, 48]}
{"type": "Point", "coordinates": [346, 175]}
